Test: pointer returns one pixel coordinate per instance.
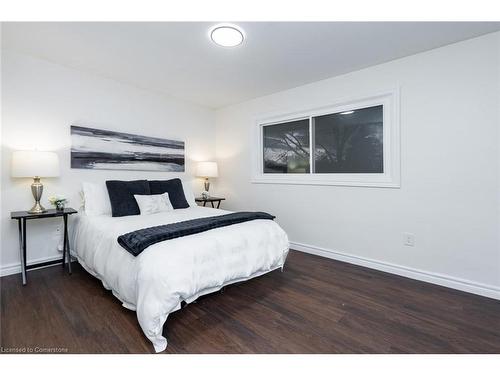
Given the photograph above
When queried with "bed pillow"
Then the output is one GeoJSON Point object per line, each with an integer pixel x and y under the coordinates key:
{"type": "Point", "coordinates": [121, 196]}
{"type": "Point", "coordinates": [96, 199]}
{"type": "Point", "coordinates": [152, 204]}
{"type": "Point", "coordinates": [188, 193]}
{"type": "Point", "coordinates": [174, 189]}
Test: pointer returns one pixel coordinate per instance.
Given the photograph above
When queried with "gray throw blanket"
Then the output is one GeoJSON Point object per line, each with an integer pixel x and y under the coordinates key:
{"type": "Point", "coordinates": [135, 242]}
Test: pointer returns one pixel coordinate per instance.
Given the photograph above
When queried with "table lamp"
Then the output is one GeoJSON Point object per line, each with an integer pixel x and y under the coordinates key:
{"type": "Point", "coordinates": [35, 164]}
{"type": "Point", "coordinates": [207, 169]}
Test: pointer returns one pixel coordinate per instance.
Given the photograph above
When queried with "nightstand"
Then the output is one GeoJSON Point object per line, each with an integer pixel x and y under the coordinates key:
{"type": "Point", "coordinates": [211, 200]}
{"type": "Point", "coordinates": [21, 217]}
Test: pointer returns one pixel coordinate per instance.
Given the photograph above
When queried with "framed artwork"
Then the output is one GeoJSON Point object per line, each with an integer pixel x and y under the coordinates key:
{"type": "Point", "coordinates": [103, 149]}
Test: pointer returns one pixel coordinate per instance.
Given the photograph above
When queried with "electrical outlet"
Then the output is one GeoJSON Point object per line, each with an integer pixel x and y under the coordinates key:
{"type": "Point", "coordinates": [409, 239]}
{"type": "Point", "coordinates": [58, 232]}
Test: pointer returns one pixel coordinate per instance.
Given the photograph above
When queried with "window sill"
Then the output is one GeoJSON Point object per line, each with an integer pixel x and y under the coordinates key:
{"type": "Point", "coordinates": [325, 182]}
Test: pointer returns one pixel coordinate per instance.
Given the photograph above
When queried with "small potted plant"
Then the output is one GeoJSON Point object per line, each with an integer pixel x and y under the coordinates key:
{"type": "Point", "coordinates": [58, 201]}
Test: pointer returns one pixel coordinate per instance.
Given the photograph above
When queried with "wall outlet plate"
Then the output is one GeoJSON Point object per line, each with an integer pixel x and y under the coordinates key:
{"type": "Point", "coordinates": [409, 239]}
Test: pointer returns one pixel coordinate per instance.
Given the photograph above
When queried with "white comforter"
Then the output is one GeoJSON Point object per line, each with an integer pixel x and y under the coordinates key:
{"type": "Point", "coordinates": [155, 282]}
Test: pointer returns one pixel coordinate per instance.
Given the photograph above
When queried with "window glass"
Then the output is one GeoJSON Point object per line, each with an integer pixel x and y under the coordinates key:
{"type": "Point", "coordinates": [349, 142]}
{"type": "Point", "coordinates": [286, 147]}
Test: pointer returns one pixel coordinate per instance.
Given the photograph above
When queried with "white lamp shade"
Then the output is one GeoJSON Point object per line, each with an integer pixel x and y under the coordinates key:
{"type": "Point", "coordinates": [207, 169]}
{"type": "Point", "coordinates": [35, 164]}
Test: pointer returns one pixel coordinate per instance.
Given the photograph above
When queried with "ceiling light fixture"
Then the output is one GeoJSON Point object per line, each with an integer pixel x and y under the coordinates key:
{"type": "Point", "coordinates": [346, 112]}
{"type": "Point", "coordinates": [226, 35]}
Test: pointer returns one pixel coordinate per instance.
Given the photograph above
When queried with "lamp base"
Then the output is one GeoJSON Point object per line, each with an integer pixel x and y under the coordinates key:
{"type": "Point", "coordinates": [206, 185]}
{"type": "Point", "coordinates": [37, 209]}
{"type": "Point", "coordinates": [37, 190]}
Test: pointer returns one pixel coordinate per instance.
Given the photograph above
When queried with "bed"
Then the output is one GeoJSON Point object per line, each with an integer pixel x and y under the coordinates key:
{"type": "Point", "coordinates": [178, 270]}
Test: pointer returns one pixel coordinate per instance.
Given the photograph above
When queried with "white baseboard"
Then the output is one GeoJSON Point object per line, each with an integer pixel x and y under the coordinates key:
{"type": "Point", "coordinates": [412, 273]}
{"type": "Point", "coordinates": [10, 269]}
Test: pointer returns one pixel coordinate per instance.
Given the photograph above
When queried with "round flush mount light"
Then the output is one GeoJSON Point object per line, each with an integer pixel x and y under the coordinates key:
{"type": "Point", "coordinates": [226, 35]}
{"type": "Point", "coordinates": [346, 112]}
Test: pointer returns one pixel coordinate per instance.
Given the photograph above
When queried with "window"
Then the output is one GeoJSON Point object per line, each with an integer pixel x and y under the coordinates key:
{"type": "Point", "coordinates": [351, 144]}
{"type": "Point", "coordinates": [286, 147]}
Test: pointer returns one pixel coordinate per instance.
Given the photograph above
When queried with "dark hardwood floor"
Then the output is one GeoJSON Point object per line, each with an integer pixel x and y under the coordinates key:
{"type": "Point", "coordinates": [316, 306]}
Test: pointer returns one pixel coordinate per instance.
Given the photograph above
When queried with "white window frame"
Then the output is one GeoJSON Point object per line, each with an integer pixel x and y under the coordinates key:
{"type": "Point", "coordinates": [390, 178]}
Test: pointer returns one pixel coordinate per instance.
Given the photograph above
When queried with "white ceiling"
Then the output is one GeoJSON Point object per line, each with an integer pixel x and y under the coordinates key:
{"type": "Point", "coordinates": [179, 59]}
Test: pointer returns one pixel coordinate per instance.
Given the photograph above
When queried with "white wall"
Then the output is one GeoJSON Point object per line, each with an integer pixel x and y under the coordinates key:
{"type": "Point", "coordinates": [449, 195]}
{"type": "Point", "coordinates": [39, 102]}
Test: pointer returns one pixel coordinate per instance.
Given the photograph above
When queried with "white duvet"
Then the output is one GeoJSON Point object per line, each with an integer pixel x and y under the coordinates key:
{"type": "Point", "coordinates": [155, 282]}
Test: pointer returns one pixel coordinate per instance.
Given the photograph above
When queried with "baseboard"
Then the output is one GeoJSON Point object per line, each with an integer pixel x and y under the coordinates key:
{"type": "Point", "coordinates": [412, 273]}
{"type": "Point", "coordinates": [13, 268]}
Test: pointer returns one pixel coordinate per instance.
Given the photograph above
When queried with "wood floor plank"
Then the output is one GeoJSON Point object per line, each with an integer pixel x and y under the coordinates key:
{"type": "Point", "coordinates": [316, 305]}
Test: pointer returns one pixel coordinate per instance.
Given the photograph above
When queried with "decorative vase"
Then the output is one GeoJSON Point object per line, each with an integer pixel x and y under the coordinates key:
{"type": "Point", "coordinates": [59, 206]}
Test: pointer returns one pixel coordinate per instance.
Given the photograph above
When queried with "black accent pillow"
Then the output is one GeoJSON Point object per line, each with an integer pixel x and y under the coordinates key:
{"type": "Point", "coordinates": [174, 189]}
{"type": "Point", "coordinates": [121, 196]}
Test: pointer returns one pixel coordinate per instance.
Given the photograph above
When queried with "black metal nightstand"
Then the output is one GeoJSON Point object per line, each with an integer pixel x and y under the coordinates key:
{"type": "Point", "coordinates": [211, 200]}
{"type": "Point", "coordinates": [22, 216]}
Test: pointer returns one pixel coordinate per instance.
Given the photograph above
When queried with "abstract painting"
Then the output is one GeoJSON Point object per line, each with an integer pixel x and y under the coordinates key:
{"type": "Point", "coordinates": [103, 149]}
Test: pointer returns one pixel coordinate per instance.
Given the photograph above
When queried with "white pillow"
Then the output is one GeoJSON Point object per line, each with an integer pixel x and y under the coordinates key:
{"type": "Point", "coordinates": [151, 204]}
{"type": "Point", "coordinates": [96, 199]}
{"type": "Point", "coordinates": [188, 193]}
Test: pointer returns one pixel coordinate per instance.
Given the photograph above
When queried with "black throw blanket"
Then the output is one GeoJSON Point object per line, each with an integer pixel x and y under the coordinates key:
{"type": "Point", "coordinates": [135, 242]}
